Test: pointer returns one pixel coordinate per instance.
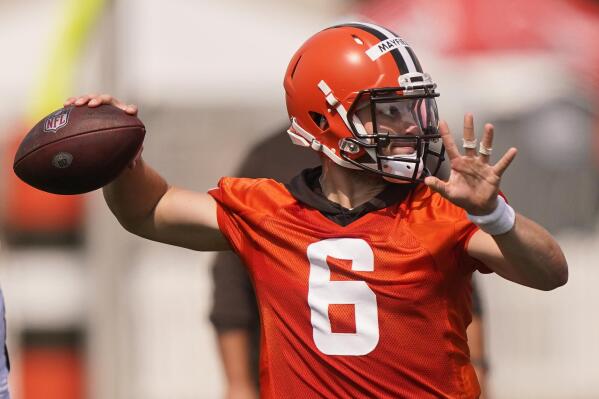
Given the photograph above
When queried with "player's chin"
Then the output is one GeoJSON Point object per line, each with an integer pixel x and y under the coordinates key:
{"type": "Point", "coordinates": [410, 151]}
{"type": "Point", "coordinates": [396, 181]}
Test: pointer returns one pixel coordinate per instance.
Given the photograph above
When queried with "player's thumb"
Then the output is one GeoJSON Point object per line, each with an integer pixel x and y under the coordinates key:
{"type": "Point", "coordinates": [135, 160]}
{"type": "Point", "coordinates": [435, 184]}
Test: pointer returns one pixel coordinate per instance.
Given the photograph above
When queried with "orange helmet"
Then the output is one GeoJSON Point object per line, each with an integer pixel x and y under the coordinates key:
{"type": "Point", "coordinates": [357, 93]}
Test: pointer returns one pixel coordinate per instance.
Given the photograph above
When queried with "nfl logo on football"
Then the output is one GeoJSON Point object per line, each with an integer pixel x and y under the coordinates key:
{"type": "Point", "coordinates": [57, 120]}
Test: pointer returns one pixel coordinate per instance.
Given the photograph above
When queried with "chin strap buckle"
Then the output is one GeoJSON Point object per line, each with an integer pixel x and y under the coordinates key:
{"type": "Point", "coordinates": [328, 94]}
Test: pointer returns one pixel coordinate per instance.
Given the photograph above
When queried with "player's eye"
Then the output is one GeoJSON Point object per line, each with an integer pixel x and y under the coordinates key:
{"type": "Point", "coordinates": [390, 111]}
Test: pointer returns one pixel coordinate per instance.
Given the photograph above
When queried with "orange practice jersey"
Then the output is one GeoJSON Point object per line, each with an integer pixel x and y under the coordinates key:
{"type": "Point", "coordinates": [375, 309]}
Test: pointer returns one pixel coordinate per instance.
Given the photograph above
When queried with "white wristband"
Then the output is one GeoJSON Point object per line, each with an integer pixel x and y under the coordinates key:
{"type": "Point", "coordinates": [500, 221]}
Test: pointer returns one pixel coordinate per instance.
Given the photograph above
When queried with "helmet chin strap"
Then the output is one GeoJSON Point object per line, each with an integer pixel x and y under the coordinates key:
{"type": "Point", "coordinates": [299, 136]}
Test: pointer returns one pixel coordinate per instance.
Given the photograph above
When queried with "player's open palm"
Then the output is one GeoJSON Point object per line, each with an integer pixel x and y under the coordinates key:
{"type": "Point", "coordinates": [473, 183]}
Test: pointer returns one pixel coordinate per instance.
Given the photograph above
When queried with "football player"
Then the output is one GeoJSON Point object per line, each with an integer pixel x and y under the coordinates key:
{"type": "Point", "coordinates": [362, 266]}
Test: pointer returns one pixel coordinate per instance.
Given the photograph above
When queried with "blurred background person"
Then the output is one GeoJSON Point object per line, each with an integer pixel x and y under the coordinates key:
{"type": "Point", "coordinates": [125, 319]}
{"type": "Point", "coordinates": [477, 342]}
{"type": "Point", "coordinates": [236, 320]}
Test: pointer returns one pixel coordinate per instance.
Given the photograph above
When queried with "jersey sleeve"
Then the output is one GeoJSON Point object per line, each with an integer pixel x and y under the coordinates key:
{"type": "Point", "coordinates": [229, 196]}
{"type": "Point", "coordinates": [242, 206]}
{"type": "Point", "coordinates": [463, 230]}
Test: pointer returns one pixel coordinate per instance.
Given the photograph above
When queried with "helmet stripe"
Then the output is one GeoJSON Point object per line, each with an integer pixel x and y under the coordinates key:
{"type": "Point", "coordinates": [397, 56]}
{"type": "Point", "coordinates": [405, 55]}
{"type": "Point", "coordinates": [411, 53]}
{"type": "Point", "coordinates": [414, 59]}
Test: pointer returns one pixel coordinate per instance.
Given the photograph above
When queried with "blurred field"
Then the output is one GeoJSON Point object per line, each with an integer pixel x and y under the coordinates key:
{"type": "Point", "coordinates": [207, 76]}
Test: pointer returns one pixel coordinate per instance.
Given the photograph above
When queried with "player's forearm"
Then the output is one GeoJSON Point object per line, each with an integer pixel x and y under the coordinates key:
{"type": "Point", "coordinates": [234, 348]}
{"type": "Point", "coordinates": [533, 254]}
{"type": "Point", "coordinates": [133, 196]}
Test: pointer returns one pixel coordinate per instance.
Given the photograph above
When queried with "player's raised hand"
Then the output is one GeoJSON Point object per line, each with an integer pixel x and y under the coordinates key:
{"type": "Point", "coordinates": [473, 183]}
{"type": "Point", "coordinates": [95, 100]}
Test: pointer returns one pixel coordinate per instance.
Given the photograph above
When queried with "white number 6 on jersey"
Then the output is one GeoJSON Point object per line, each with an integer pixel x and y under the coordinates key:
{"type": "Point", "coordinates": [322, 292]}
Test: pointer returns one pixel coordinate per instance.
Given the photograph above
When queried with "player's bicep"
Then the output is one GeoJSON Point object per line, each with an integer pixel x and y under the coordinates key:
{"type": "Point", "coordinates": [483, 247]}
{"type": "Point", "coordinates": [186, 219]}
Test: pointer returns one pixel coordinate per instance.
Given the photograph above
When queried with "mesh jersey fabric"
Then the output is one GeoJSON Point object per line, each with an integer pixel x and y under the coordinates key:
{"type": "Point", "coordinates": [420, 279]}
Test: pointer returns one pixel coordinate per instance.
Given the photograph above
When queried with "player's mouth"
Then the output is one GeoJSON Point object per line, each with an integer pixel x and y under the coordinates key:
{"type": "Point", "coordinates": [402, 149]}
{"type": "Point", "coordinates": [404, 145]}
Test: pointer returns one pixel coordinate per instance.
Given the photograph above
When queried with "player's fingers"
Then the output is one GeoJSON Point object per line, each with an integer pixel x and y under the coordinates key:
{"type": "Point", "coordinates": [82, 100]}
{"type": "Point", "coordinates": [505, 161]}
{"type": "Point", "coordinates": [450, 147]}
{"type": "Point", "coordinates": [486, 144]}
{"type": "Point", "coordinates": [69, 101]}
{"type": "Point", "coordinates": [469, 142]}
{"type": "Point", "coordinates": [131, 109]}
{"type": "Point", "coordinates": [97, 100]}
{"type": "Point", "coordinates": [128, 108]}
{"type": "Point", "coordinates": [436, 185]}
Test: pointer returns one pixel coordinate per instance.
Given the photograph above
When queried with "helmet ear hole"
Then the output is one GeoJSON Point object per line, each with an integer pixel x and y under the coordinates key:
{"type": "Point", "coordinates": [320, 120]}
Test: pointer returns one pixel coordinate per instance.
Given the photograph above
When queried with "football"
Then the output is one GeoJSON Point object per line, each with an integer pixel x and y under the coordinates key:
{"type": "Point", "coordinates": [75, 150]}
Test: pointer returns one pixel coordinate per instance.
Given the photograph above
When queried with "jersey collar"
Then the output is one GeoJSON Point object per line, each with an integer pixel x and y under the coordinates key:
{"type": "Point", "coordinates": [306, 189]}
